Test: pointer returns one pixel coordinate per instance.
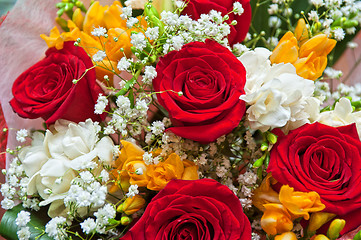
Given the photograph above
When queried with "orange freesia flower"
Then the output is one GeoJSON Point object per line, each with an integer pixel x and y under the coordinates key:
{"type": "Point", "coordinates": [132, 205]}
{"type": "Point", "coordinates": [286, 236]}
{"type": "Point", "coordinates": [172, 168]}
{"type": "Point", "coordinates": [308, 55]}
{"type": "Point", "coordinates": [265, 194]}
{"type": "Point", "coordinates": [81, 27]}
{"type": "Point", "coordinates": [276, 219]}
{"type": "Point", "coordinates": [299, 204]}
{"type": "Point", "coordinates": [154, 177]}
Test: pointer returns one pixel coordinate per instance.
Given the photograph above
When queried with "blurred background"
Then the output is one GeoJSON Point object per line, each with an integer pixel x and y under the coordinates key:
{"type": "Point", "coordinates": [6, 5]}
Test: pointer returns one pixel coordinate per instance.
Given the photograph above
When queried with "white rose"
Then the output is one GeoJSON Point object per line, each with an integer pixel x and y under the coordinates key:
{"type": "Point", "coordinates": [342, 115]}
{"type": "Point", "coordinates": [54, 161]}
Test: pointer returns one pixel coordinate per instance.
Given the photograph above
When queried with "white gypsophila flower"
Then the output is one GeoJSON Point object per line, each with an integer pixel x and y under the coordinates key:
{"type": "Point", "coordinates": [317, 3]}
{"type": "Point", "coordinates": [152, 33]}
{"type": "Point", "coordinates": [273, 9]}
{"type": "Point", "coordinates": [126, 12]}
{"type": "Point", "coordinates": [138, 40]}
{"type": "Point", "coordinates": [104, 214]}
{"type": "Point", "coordinates": [136, 4]}
{"type": "Point", "coordinates": [255, 236]}
{"type": "Point", "coordinates": [142, 107]}
{"type": "Point", "coordinates": [54, 228]}
{"type": "Point", "coordinates": [87, 176]}
{"type": "Point", "coordinates": [123, 64]}
{"type": "Point", "coordinates": [23, 233]}
{"type": "Point", "coordinates": [132, 191]}
{"type": "Point", "coordinates": [239, 48]}
{"type": "Point", "coordinates": [246, 191]}
{"type": "Point", "coordinates": [313, 16]}
{"type": "Point", "coordinates": [98, 32]}
{"type": "Point", "coordinates": [339, 34]}
{"type": "Point", "coordinates": [88, 226]}
{"type": "Point", "coordinates": [276, 94]}
{"type": "Point", "coordinates": [180, 4]}
{"type": "Point", "coordinates": [157, 127]}
{"type": "Point", "coordinates": [21, 135]}
{"type": "Point", "coordinates": [169, 18]}
{"type": "Point", "coordinates": [342, 115]}
{"type": "Point", "coordinates": [221, 171]}
{"type": "Point", "coordinates": [123, 102]}
{"type": "Point", "coordinates": [22, 218]}
{"type": "Point", "coordinates": [104, 175]}
{"type": "Point", "coordinates": [352, 45]}
{"type": "Point", "coordinates": [7, 191]}
{"type": "Point", "coordinates": [248, 178]}
{"type": "Point", "coordinates": [139, 171]}
{"type": "Point", "coordinates": [148, 158]}
{"type": "Point", "coordinates": [65, 150]}
{"type": "Point", "coordinates": [109, 130]}
{"type": "Point", "coordinates": [99, 56]}
{"type": "Point", "coordinates": [7, 203]}
{"type": "Point", "coordinates": [150, 73]}
{"type": "Point", "coordinates": [333, 73]}
{"type": "Point", "coordinates": [237, 8]}
{"type": "Point", "coordinates": [246, 202]}
{"type": "Point", "coordinates": [274, 22]}
{"type": "Point", "coordinates": [272, 41]}
{"type": "Point", "coordinates": [131, 21]}
{"type": "Point", "coordinates": [102, 103]}
{"type": "Point", "coordinates": [177, 42]}
{"type": "Point", "coordinates": [351, 30]}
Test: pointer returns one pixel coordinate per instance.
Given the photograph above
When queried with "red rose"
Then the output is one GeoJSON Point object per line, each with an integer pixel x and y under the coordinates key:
{"type": "Point", "coordinates": [324, 159]}
{"type": "Point", "coordinates": [238, 32]}
{"type": "Point", "coordinates": [211, 79]}
{"type": "Point", "coordinates": [47, 90]}
{"type": "Point", "coordinates": [200, 209]}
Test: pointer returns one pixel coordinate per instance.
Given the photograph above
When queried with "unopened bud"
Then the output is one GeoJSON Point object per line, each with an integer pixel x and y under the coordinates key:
{"type": "Point", "coordinates": [335, 228]}
{"type": "Point", "coordinates": [272, 138]}
{"type": "Point", "coordinates": [125, 220]}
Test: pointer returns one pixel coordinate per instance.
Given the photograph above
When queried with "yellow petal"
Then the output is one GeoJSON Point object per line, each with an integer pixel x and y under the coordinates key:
{"type": "Point", "coordinates": [300, 204]}
{"type": "Point", "coordinates": [321, 237]}
{"type": "Point", "coordinates": [112, 17]}
{"type": "Point", "coordinates": [286, 236]}
{"type": "Point", "coordinates": [276, 219]}
{"type": "Point", "coordinates": [132, 205]}
{"type": "Point", "coordinates": [319, 44]}
{"type": "Point", "coordinates": [286, 51]}
{"type": "Point", "coordinates": [265, 194]}
{"type": "Point", "coordinates": [94, 17]}
{"type": "Point", "coordinates": [301, 32]}
{"type": "Point", "coordinates": [190, 171]}
{"type": "Point", "coordinates": [318, 219]}
{"type": "Point", "coordinates": [78, 18]}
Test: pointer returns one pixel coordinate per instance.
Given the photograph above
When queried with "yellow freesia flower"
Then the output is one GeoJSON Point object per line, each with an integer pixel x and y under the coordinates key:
{"type": "Point", "coordinates": [172, 168]}
{"type": "Point", "coordinates": [308, 55]}
{"type": "Point", "coordinates": [286, 236]}
{"type": "Point", "coordinates": [318, 219]}
{"type": "Point", "coordinates": [81, 27]}
{"type": "Point", "coordinates": [132, 205]}
{"type": "Point", "coordinates": [265, 194]}
{"type": "Point", "coordinates": [300, 204]}
{"type": "Point", "coordinates": [276, 219]}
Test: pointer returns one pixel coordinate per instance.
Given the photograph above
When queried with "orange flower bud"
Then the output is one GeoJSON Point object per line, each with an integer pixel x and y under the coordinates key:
{"type": "Point", "coordinates": [265, 194]}
{"type": "Point", "coordinates": [318, 219]}
{"type": "Point", "coordinates": [131, 205]}
{"type": "Point", "coordinates": [286, 51]}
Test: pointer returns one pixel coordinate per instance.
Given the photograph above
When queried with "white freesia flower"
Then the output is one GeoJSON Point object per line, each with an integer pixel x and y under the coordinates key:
{"type": "Point", "coordinates": [277, 96]}
{"type": "Point", "coordinates": [59, 155]}
{"type": "Point", "coordinates": [342, 115]}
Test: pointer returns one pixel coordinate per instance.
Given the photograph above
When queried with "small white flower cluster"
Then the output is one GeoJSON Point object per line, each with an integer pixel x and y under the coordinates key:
{"type": "Point", "coordinates": [248, 182]}
{"type": "Point", "coordinates": [132, 191]}
{"type": "Point", "coordinates": [344, 90]}
{"type": "Point", "coordinates": [102, 103]}
{"type": "Point", "coordinates": [101, 221]}
{"type": "Point", "coordinates": [21, 221]}
{"type": "Point", "coordinates": [99, 56]}
{"type": "Point", "coordinates": [55, 228]}
{"type": "Point", "coordinates": [21, 135]}
{"type": "Point", "coordinates": [15, 186]}
{"type": "Point", "coordinates": [98, 32]}
{"type": "Point", "coordinates": [86, 190]}
{"type": "Point", "coordinates": [127, 119]}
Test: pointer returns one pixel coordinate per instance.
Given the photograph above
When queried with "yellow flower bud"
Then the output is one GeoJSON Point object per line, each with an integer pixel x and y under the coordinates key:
{"type": "Point", "coordinates": [131, 205]}
{"type": "Point", "coordinates": [286, 236]}
{"type": "Point", "coordinates": [335, 228]}
{"type": "Point", "coordinates": [318, 219]}
{"type": "Point", "coordinates": [125, 220]}
{"type": "Point", "coordinates": [321, 237]}
{"type": "Point", "coordinates": [265, 194]}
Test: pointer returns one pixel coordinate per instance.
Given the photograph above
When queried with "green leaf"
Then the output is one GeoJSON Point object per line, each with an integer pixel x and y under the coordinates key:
{"type": "Point", "coordinates": [8, 227]}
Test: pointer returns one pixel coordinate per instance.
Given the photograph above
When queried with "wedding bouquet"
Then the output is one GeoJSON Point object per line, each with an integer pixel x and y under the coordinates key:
{"type": "Point", "coordinates": [196, 119]}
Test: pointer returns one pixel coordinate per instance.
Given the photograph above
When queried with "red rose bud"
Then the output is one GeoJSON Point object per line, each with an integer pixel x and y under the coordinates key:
{"type": "Point", "coordinates": [211, 79]}
{"type": "Point", "coordinates": [199, 209]}
{"type": "Point", "coordinates": [195, 8]}
{"type": "Point", "coordinates": [47, 90]}
{"type": "Point", "coordinates": [324, 159]}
